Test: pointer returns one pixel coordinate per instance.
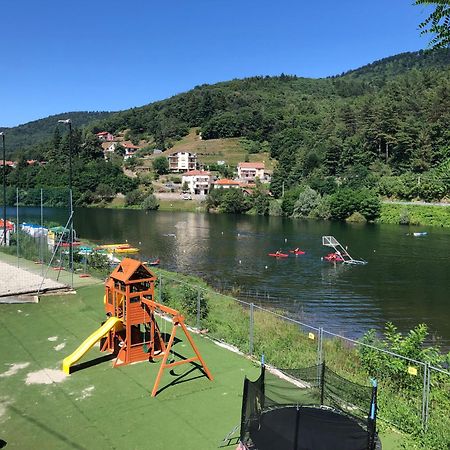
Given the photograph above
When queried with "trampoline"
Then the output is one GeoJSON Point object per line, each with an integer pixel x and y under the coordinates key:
{"type": "Point", "coordinates": [279, 415]}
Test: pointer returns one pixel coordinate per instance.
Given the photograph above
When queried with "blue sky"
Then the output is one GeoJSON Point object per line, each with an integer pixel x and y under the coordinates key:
{"type": "Point", "coordinates": [110, 55]}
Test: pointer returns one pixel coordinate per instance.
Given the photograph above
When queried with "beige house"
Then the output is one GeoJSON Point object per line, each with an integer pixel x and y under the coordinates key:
{"type": "Point", "coordinates": [249, 171]}
{"type": "Point", "coordinates": [182, 161]}
{"type": "Point", "coordinates": [198, 181]}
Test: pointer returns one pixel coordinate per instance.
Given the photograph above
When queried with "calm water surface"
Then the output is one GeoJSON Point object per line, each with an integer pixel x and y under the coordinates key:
{"type": "Point", "coordinates": [406, 280]}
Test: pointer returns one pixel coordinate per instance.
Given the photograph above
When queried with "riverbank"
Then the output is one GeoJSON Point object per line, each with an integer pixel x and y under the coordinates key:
{"type": "Point", "coordinates": [420, 214]}
{"type": "Point", "coordinates": [222, 318]}
{"type": "Point", "coordinates": [286, 343]}
{"type": "Point", "coordinates": [411, 214]}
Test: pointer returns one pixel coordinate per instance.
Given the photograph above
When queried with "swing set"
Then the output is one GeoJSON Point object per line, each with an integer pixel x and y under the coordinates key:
{"type": "Point", "coordinates": [132, 331]}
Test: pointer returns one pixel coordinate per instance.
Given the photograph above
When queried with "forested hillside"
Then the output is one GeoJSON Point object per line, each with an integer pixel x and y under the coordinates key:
{"type": "Point", "coordinates": [383, 127]}
{"type": "Point", "coordinates": [27, 135]}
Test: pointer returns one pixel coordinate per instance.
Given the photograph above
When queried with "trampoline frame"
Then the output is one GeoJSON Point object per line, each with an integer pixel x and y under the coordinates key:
{"type": "Point", "coordinates": [364, 432]}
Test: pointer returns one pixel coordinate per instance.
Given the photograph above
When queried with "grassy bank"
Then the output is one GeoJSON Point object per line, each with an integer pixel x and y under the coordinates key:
{"type": "Point", "coordinates": [288, 345]}
{"type": "Point", "coordinates": [181, 205]}
{"type": "Point", "coordinates": [427, 215]}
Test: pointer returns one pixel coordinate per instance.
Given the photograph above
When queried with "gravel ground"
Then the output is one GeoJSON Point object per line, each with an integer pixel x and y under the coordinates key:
{"type": "Point", "coordinates": [15, 281]}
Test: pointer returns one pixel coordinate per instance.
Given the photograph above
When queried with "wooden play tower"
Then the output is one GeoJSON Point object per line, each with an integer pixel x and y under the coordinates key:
{"type": "Point", "coordinates": [129, 297]}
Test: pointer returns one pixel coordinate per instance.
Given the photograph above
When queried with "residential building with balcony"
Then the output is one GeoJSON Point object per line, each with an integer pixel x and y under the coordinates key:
{"type": "Point", "coordinates": [198, 181]}
{"type": "Point", "coordinates": [182, 162]}
{"type": "Point", "coordinates": [249, 171]}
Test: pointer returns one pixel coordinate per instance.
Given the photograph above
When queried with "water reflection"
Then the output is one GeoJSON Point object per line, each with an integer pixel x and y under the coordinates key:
{"type": "Point", "coordinates": [406, 280]}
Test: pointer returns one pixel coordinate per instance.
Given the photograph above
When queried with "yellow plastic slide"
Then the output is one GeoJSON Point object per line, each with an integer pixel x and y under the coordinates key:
{"type": "Point", "coordinates": [89, 343]}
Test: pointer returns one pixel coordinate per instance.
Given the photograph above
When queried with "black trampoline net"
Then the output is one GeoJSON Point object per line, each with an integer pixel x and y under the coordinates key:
{"type": "Point", "coordinates": [314, 400]}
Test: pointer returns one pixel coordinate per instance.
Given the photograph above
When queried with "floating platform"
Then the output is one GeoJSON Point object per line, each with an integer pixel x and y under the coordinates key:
{"type": "Point", "coordinates": [341, 251]}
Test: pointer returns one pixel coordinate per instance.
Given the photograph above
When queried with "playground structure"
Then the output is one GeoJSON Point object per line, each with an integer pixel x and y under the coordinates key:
{"type": "Point", "coordinates": [132, 332]}
{"type": "Point", "coordinates": [340, 252]}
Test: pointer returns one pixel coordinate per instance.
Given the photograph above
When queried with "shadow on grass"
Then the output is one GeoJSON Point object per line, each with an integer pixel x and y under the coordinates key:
{"type": "Point", "coordinates": [92, 362]}
{"type": "Point", "coordinates": [182, 378]}
{"type": "Point", "coordinates": [63, 439]}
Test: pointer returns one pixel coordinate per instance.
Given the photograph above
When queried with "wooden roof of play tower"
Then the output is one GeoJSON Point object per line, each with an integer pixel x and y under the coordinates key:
{"type": "Point", "coordinates": [130, 270]}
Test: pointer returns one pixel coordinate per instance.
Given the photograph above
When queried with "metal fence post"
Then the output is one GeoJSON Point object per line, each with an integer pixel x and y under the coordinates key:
{"type": "Point", "coordinates": [198, 309]}
{"type": "Point", "coordinates": [320, 346]}
{"type": "Point", "coordinates": [17, 226]}
{"type": "Point", "coordinates": [250, 337]}
{"type": "Point", "coordinates": [424, 394]}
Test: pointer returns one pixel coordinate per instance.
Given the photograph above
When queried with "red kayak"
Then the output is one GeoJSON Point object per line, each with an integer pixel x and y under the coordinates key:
{"type": "Point", "coordinates": [279, 255]}
{"type": "Point", "coordinates": [297, 252]}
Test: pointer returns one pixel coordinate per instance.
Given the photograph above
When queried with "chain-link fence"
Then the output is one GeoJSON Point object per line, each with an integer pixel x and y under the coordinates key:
{"type": "Point", "coordinates": [411, 393]}
{"type": "Point", "coordinates": [40, 254]}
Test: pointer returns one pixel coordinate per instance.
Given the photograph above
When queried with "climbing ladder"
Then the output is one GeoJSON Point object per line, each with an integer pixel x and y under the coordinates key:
{"type": "Point", "coordinates": [331, 241]}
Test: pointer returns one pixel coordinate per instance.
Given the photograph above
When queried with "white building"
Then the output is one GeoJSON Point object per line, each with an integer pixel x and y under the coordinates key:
{"type": "Point", "coordinates": [108, 148]}
{"type": "Point", "coordinates": [249, 171]}
{"type": "Point", "coordinates": [182, 161]}
{"type": "Point", "coordinates": [198, 181]}
{"type": "Point", "coordinates": [130, 149]}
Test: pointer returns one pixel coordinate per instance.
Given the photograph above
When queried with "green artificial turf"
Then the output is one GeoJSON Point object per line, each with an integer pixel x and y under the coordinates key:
{"type": "Point", "coordinates": [104, 407]}
{"type": "Point", "coordinates": [101, 407]}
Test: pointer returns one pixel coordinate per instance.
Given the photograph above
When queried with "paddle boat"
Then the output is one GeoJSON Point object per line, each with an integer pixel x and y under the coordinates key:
{"type": "Point", "coordinates": [420, 233]}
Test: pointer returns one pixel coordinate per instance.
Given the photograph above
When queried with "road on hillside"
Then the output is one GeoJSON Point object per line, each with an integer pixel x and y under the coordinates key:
{"type": "Point", "coordinates": [177, 196]}
{"type": "Point", "coordinates": [395, 202]}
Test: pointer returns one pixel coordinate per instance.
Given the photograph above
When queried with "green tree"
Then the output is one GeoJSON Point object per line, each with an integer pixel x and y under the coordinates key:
{"type": "Point", "coordinates": [161, 165]}
{"type": "Point", "coordinates": [234, 201]}
{"type": "Point", "coordinates": [150, 203]}
{"type": "Point", "coordinates": [214, 198]}
{"type": "Point", "coordinates": [307, 201]}
{"type": "Point", "coordinates": [135, 197]}
{"type": "Point", "coordinates": [104, 192]}
{"type": "Point", "coordinates": [437, 23]}
{"type": "Point", "coordinates": [260, 200]}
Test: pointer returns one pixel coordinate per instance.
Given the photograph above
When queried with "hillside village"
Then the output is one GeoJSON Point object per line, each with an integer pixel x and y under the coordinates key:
{"type": "Point", "coordinates": [186, 171]}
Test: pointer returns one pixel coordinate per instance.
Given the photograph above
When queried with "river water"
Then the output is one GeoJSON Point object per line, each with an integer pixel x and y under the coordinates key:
{"type": "Point", "coordinates": [406, 280]}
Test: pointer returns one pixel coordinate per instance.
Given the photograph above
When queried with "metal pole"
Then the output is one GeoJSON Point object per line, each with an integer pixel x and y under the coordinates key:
{"type": "Point", "coordinates": [69, 122]}
{"type": "Point", "coordinates": [425, 392]}
{"type": "Point", "coordinates": [71, 201]}
{"type": "Point", "coordinates": [320, 346]}
{"type": "Point", "coordinates": [250, 338]}
{"type": "Point", "coordinates": [17, 226]}
{"type": "Point", "coordinates": [427, 400]}
{"type": "Point", "coordinates": [71, 240]}
{"type": "Point", "coordinates": [198, 310]}
{"type": "Point", "coordinates": [4, 190]}
{"type": "Point", "coordinates": [41, 240]}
